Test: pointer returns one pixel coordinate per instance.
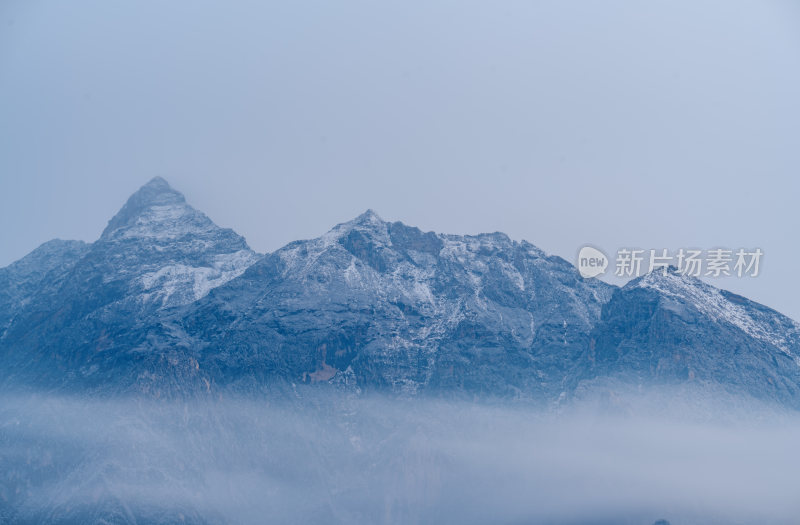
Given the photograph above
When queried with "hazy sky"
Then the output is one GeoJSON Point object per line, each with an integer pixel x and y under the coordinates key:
{"type": "Point", "coordinates": [651, 124]}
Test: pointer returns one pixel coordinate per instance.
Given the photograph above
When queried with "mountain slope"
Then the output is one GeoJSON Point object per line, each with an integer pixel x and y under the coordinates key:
{"type": "Point", "coordinates": [667, 328]}
{"type": "Point", "coordinates": [43, 267]}
{"type": "Point", "coordinates": [169, 303]}
{"type": "Point", "coordinates": [157, 252]}
{"type": "Point", "coordinates": [388, 306]}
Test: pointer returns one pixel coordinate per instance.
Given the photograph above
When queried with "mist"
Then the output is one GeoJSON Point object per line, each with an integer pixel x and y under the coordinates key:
{"type": "Point", "coordinates": [334, 458]}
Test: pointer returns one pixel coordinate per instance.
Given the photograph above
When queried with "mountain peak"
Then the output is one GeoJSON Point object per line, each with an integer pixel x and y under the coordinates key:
{"type": "Point", "coordinates": [157, 191]}
{"type": "Point", "coordinates": [156, 199]}
{"type": "Point", "coordinates": [368, 217]}
{"type": "Point", "coordinates": [369, 221]}
{"type": "Point", "coordinates": [158, 184]}
{"type": "Point", "coordinates": [665, 276]}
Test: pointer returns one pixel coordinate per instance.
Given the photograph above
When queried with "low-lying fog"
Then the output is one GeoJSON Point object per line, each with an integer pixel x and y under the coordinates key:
{"type": "Point", "coordinates": [333, 458]}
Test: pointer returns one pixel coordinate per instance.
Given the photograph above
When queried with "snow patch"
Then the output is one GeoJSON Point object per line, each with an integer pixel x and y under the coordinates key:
{"type": "Point", "coordinates": [710, 302]}
{"type": "Point", "coordinates": [179, 284]}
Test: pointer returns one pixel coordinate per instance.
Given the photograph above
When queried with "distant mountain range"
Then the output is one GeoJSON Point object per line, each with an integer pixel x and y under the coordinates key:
{"type": "Point", "coordinates": [166, 302]}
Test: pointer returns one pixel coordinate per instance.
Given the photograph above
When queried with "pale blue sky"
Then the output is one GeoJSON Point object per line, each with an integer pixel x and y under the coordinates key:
{"type": "Point", "coordinates": [617, 123]}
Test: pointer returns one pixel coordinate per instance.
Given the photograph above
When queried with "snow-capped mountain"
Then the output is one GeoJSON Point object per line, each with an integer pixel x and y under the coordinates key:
{"type": "Point", "coordinates": [170, 253]}
{"type": "Point", "coordinates": [43, 268]}
{"type": "Point", "coordinates": [387, 305]}
{"type": "Point", "coordinates": [669, 327]}
{"type": "Point", "coordinates": [166, 301]}
{"type": "Point", "coordinates": [157, 252]}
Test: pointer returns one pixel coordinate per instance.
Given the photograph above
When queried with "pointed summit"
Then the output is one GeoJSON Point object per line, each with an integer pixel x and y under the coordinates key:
{"type": "Point", "coordinates": [155, 201]}
{"type": "Point", "coordinates": [157, 185]}
{"type": "Point", "coordinates": [368, 217]}
{"type": "Point", "coordinates": [369, 221]}
{"type": "Point", "coordinates": [156, 191]}
{"type": "Point", "coordinates": [669, 278]}
{"type": "Point", "coordinates": [166, 250]}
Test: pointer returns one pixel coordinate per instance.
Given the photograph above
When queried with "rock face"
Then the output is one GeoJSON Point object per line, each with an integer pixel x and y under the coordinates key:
{"type": "Point", "coordinates": [165, 251]}
{"type": "Point", "coordinates": [157, 252]}
{"type": "Point", "coordinates": [41, 269]}
{"type": "Point", "coordinates": [404, 310]}
{"type": "Point", "coordinates": [167, 301]}
{"type": "Point", "coordinates": [667, 327]}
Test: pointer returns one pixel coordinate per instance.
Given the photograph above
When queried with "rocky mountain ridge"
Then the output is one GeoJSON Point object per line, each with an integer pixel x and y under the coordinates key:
{"type": "Point", "coordinates": [166, 301]}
